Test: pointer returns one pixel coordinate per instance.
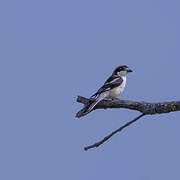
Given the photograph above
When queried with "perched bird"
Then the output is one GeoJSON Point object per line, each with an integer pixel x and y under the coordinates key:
{"type": "Point", "coordinates": [112, 88]}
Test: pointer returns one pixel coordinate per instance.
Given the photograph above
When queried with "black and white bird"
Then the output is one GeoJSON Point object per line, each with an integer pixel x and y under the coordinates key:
{"type": "Point", "coordinates": [112, 88]}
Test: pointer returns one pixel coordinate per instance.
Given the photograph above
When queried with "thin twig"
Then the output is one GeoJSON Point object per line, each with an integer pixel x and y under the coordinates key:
{"type": "Point", "coordinates": [114, 132]}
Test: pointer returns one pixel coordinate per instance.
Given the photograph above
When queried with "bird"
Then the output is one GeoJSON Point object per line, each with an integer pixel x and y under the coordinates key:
{"type": "Point", "coordinates": [112, 87]}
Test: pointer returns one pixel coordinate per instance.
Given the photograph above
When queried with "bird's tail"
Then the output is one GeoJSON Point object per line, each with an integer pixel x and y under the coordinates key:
{"type": "Point", "coordinates": [92, 104]}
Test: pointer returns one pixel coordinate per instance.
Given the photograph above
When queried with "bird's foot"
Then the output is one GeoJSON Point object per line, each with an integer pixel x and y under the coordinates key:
{"type": "Point", "coordinates": [111, 99]}
{"type": "Point", "coordinates": [114, 98]}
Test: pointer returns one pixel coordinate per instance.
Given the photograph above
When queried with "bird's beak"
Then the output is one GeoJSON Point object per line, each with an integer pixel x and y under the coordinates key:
{"type": "Point", "coordinates": [129, 70]}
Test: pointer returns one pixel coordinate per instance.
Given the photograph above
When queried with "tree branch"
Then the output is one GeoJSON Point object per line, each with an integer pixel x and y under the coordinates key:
{"type": "Point", "coordinates": [144, 107]}
{"type": "Point", "coordinates": [97, 144]}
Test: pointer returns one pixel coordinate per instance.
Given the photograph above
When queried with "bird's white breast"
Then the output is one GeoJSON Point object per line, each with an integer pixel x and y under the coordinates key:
{"type": "Point", "coordinates": [118, 90]}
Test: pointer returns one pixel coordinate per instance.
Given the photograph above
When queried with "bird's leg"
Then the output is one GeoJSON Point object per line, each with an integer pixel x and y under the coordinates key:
{"type": "Point", "coordinates": [115, 98]}
{"type": "Point", "coordinates": [107, 98]}
{"type": "Point", "coordinates": [111, 99]}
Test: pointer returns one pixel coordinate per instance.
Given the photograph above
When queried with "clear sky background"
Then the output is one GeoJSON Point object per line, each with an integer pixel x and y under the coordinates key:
{"type": "Point", "coordinates": [52, 51]}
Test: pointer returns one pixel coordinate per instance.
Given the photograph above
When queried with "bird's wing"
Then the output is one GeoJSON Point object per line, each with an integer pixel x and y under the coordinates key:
{"type": "Point", "coordinates": [110, 83]}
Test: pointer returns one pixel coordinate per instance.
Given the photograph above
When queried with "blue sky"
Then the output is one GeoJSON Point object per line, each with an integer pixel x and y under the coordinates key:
{"type": "Point", "coordinates": [52, 51]}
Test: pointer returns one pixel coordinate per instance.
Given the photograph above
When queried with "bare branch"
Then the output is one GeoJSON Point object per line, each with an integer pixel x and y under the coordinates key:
{"type": "Point", "coordinates": [143, 107]}
{"type": "Point", "coordinates": [97, 144]}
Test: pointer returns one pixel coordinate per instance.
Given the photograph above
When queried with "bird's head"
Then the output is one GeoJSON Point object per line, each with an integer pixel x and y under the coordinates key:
{"type": "Point", "coordinates": [122, 71]}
